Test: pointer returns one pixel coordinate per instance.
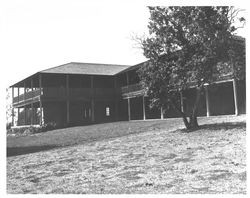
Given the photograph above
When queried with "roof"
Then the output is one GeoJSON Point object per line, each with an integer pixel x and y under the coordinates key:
{"type": "Point", "coordinates": [87, 68]}
{"type": "Point", "coordinates": [134, 67]}
{"type": "Point", "coordinates": [82, 68]}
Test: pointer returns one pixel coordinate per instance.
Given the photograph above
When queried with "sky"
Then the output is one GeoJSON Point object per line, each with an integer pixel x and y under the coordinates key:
{"type": "Point", "coordinates": [39, 34]}
{"type": "Point", "coordinates": [42, 34]}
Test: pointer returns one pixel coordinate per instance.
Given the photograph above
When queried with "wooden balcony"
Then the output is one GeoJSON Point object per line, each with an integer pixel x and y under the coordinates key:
{"type": "Point", "coordinates": [27, 98]}
{"type": "Point", "coordinates": [132, 91]}
{"type": "Point", "coordinates": [60, 93]}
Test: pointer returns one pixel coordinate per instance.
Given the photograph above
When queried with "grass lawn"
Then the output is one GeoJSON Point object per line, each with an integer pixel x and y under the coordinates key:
{"type": "Point", "coordinates": [132, 157]}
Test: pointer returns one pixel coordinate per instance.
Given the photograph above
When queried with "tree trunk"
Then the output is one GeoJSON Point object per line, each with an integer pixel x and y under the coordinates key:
{"type": "Point", "coordinates": [184, 117]}
{"type": "Point", "coordinates": [192, 123]}
{"type": "Point", "coordinates": [193, 117]}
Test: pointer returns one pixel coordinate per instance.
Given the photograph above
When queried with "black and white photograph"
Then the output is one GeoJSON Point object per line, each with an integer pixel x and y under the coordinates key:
{"type": "Point", "coordinates": [123, 97]}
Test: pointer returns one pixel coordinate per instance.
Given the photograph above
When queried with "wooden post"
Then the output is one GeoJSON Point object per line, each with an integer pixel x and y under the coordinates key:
{"type": "Point", "coordinates": [235, 97]}
{"type": "Point", "coordinates": [67, 97]}
{"type": "Point", "coordinates": [116, 99]}
{"type": "Point", "coordinates": [18, 94]}
{"type": "Point", "coordinates": [40, 100]}
{"type": "Point", "coordinates": [182, 103]}
{"type": "Point", "coordinates": [24, 85]}
{"type": "Point", "coordinates": [18, 114]}
{"type": "Point", "coordinates": [162, 115]}
{"type": "Point", "coordinates": [92, 99]}
{"type": "Point", "coordinates": [41, 112]}
{"type": "Point", "coordinates": [32, 105]}
{"type": "Point", "coordinates": [25, 113]}
{"type": "Point", "coordinates": [143, 108]}
{"type": "Point", "coordinates": [12, 110]}
{"type": "Point", "coordinates": [207, 101]}
{"type": "Point", "coordinates": [129, 115]}
{"type": "Point", "coordinates": [92, 110]}
{"type": "Point", "coordinates": [18, 110]}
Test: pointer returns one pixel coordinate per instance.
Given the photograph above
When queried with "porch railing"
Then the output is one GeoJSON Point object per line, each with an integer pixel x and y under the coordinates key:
{"type": "Point", "coordinates": [61, 92]}
{"type": "Point", "coordinates": [26, 96]}
{"type": "Point", "coordinates": [131, 88]}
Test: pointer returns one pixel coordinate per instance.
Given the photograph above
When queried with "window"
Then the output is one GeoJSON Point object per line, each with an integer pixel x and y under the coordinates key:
{"type": "Point", "coordinates": [107, 111]}
{"type": "Point", "coordinates": [85, 113]}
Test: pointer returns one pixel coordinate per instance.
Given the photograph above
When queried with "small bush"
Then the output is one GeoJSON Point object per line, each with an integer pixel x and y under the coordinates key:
{"type": "Point", "coordinates": [48, 126]}
{"type": "Point", "coordinates": [29, 130]}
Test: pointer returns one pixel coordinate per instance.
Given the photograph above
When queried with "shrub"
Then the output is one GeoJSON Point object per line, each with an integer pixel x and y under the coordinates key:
{"type": "Point", "coordinates": [29, 130]}
{"type": "Point", "coordinates": [48, 126]}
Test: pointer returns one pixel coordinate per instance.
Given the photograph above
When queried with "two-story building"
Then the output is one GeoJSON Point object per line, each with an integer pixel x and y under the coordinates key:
{"type": "Point", "coordinates": [86, 93]}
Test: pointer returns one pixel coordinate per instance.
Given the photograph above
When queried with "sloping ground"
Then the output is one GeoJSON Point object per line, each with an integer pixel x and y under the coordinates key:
{"type": "Point", "coordinates": [162, 159]}
{"type": "Point", "coordinates": [83, 134]}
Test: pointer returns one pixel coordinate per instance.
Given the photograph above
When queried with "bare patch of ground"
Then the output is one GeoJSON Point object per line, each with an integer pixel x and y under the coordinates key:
{"type": "Point", "coordinates": [164, 160]}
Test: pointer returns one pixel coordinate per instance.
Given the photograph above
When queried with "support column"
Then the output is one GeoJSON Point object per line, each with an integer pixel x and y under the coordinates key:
{"type": "Point", "coordinates": [18, 115]}
{"type": "Point", "coordinates": [32, 114]}
{"type": "Point", "coordinates": [92, 99]}
{"type": "Point", "coordinates": [207, 101]}
{"type": "Point", "coordinates": [92, 110]}
{"type": "Point", "coordinates": [25, 115]}
{"type": "Point", "coordinates": [129, 115]}
{"type": "Point", "coordinates": [40, 100]}
{"type": "Point", "coordinates": [32, 105]}
{"type": "Point", "coordinates": [41, 112]}
{"type": "Point", "coordinates": [182, 104]}
{"type": "Point", "coordinates": [18, 94]}
{"type": "Point", "coordinates": [12, 110]}
{"type": "Point", "coordinates": [67, 103]}
{"type": "Point", "coordinates": [162, 115]}
{"type": "Point", "coordinates": [235, 97]}
{"type": "Point", "coordinates": [25, 112]}
{"type": "Point", "coordinates": [116, 100]}
{"type": "Point", "coordinates": [143, 108]}
{"type": "Point", "coordinates": [67, 93]}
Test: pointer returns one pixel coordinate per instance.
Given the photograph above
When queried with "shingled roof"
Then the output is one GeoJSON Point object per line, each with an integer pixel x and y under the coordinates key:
{"type": "Point", "coordinates": [87, 68]}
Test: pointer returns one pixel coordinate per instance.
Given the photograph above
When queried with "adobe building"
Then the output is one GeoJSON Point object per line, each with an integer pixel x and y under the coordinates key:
{"type": "Point", "coordinates": [86, 93]}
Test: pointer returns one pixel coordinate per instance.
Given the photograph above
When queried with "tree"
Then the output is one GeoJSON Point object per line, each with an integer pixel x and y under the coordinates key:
{"type": "Point", "coordinates": [186, 46]}
{"type": "Point", "coordinates": [9, 112]}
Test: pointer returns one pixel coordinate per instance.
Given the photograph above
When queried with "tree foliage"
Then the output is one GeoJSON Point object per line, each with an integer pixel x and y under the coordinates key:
{"type": "Point", "coordinates": [187, 46]}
